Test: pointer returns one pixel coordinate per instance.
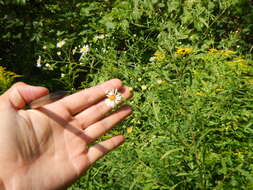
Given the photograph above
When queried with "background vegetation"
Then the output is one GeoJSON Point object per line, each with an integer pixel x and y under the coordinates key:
{"type": "Point", "coordinates": [189, 63]}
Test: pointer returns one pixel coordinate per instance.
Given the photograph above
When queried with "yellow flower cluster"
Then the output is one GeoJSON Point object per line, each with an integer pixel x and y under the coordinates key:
{"type": "Point", "coordinates": [158, 56]}
{"type": "Point", "coordinates": [212, 50]}
{"type": "Point", "coordinates": [184, 51]}
{"type": "Point", "coordinates": [6, 77]}
{"type": "Point", "coordinates": [239, 60]}
{"type": "Point", "coordinates": [225, 53]}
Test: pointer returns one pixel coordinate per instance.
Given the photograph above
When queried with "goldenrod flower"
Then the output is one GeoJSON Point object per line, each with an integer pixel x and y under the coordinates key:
{"type": "Point", "coordinates": [129, 130]}
{"type": "Point", "coordinates": [239, 60]}
{"type": "Point", "coordinates": [212, 50]}
{"type": "Point", "coordinates": [200, 93]}
{"type": "Point", "coordinates": [219, 90]}
{"type": "Point", "coordinates": [184, 51]}
{"type": "Point", "coordinates": [227, 53]}
{"type": "Point", "coordinates": [158, 56]}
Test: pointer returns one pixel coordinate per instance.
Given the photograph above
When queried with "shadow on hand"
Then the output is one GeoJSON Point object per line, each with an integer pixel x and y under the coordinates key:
{"type": "Point", "coordinates": [67, 126]}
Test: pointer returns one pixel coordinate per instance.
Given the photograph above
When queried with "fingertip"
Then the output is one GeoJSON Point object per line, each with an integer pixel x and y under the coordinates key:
{"type": "Point", "coordinates": [127, 92]}
{"type": "Point", "coordinates": [116, 82]}
{"type": "Point", "coordinates": [121, 139]}
{"type": "Point", "coordinates": [127, 108]}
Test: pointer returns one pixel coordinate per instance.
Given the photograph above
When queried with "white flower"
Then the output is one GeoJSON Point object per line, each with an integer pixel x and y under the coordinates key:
{"type": "Point", "coordinates": [38, 64]}
{"type": "Point", "coordinates": [44, 47]}
{"type": "Point", "coordinates": [49, 67]}
{"type": "Point", "coordinates": [85, 49]}
{"type": "Point", "coordinates": [113, 98]}
{"type": "Point", "coordinates": [100, 36]}
{"type": "Point", "coordinates": [60, 44]}
{"type": "Point", "coordinates": [62, 75]}
{"type": "Point", "coordinates": [152, 59]}
{"type": "Point", "coordinates": [58, 53]}
{"type": "Point", "coordinates": [160, 81]}
{"type": "Point", "coordinates": [144, 87]}
{"type": "Point", "coordinates": [74, 50]}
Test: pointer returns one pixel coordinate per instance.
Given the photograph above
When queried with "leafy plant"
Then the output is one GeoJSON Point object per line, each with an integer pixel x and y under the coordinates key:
{"type": "Point", "coordinates": [6, 79]}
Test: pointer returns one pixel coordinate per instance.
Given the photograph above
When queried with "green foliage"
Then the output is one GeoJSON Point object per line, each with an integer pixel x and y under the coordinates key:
{"type": "Point", "coordinates": [191, 124]}
{"type": "Point", "coordinates": [17, 2]}
{"type": "Point", "coordinates": [6, 79]}
{"type": "Point", "coordinates": [189, 64]}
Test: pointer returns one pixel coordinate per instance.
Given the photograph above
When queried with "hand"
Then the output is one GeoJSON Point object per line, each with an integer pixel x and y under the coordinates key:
{"type": "Point", "coordinates": [47, 148]}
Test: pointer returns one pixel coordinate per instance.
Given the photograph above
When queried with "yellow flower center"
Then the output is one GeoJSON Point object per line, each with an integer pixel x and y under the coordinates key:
{"type": "Point", "coordinates": [112, 97]}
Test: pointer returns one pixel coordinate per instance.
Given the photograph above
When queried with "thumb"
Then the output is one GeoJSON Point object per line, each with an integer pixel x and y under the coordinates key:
{"type": "Point", "coordinates": [21, 94]}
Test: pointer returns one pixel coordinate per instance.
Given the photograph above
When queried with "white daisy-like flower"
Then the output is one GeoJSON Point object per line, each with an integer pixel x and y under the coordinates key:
{"type": "Point", "coordinates": [85, 49]}
{"type": "Point", "coordinates": [113, 98]}
{"type": "Point", "coordinates": [60, 44]}
{"type": "Point", "coordinates": [100, 36]}
{"type": "Point", "coordinates": [49, 67]}
{"type": "Point", "coordinates": [74, 50]}
{"type": "Point", "coordinates": [152, 59]}
{"type": "Point", "coordinates": [160, 81]}
{"type": "Point", "coordinates": [58, 53]}
{"type": "Point", "coordinates": [144, 87]}
{"type": "Point", "coordinates": [38, 64]}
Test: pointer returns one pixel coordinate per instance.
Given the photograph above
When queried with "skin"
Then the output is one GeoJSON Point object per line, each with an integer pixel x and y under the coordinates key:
{"type": "Point", "coordinates": [47, 148]}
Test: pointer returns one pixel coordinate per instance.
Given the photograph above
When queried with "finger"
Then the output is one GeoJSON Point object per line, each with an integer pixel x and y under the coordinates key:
{"type": "Point", "coordinates": [98, 111]}
{"type": "Point", "coordinates": [101, 127]}
{"type": "Point", "coordinates": [77, 102]}
{"type": "Point", "coordinates": [100, 149]}
{"type": "Point", "coordinates": [21, 94]}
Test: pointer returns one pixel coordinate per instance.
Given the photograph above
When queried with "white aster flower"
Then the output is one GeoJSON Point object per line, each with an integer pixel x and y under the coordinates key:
{"type": "Point", "coordinates": [60, 44]}
{"type": "Point", "coordinates": [160, 81]}
{"type": "Point", "coordinates": [49, 67]}
{"type": "Point", "coordinates": [58, 53]}
{"type": "Point", "coordinates": [74, 50]}
{"type": "Point", "coordinates": [113, 98]}
{"type": "Point", "coordinates": [144, 87]}
{"type": "Point", "coordinates": [85, 49]}
{"type": "Point", "coordinates": [38, 64]}
{"type": "Point", "coordinates": [152, 59]}
{"type": "Point", "coordinates": [100, 36]}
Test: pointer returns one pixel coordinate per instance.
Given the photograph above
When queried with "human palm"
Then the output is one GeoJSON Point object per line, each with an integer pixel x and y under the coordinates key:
{"type": "Point", "coordinates": [47, 147]}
